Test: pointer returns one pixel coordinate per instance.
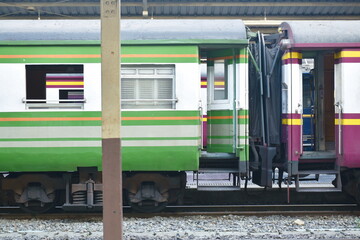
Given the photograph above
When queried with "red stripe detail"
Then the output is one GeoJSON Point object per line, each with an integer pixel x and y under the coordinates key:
{"type": "Point", "coordinates": [348, 115]}
{"type": "Point", "coordinates": [62, 77]}
{"type": "Point", "coordinates": [350, 49]}
{"type": "Point", "coordinates": [347, 60]}
{"type": "Point", "coordinates": [291, 116]}
{"type": "Point", "coordinates": [291, 61]}
{"type": "Point", "coordinates": [65, 86]}
{"type": "Point", "coordinates": [66, 80]}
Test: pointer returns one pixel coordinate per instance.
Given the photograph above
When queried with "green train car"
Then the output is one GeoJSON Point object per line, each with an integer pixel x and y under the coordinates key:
{"type": "Point", "coordinates": [50, 111]}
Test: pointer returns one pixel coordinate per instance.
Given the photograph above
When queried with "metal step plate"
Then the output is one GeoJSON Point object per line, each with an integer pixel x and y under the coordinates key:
{"type": "Point", "coordinates": [218, 188]}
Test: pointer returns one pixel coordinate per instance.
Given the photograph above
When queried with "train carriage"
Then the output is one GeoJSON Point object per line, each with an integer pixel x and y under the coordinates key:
{"type": "Point", "coordinates": [211, 99]}
{"type": "Point", "coordinates": [50, 112]}
{"type": "Point", "coordinates": [326, 95]}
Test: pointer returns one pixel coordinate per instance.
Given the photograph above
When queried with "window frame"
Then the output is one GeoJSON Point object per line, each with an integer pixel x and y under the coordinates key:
{"type": "Point", "coordinates": [137, 77]}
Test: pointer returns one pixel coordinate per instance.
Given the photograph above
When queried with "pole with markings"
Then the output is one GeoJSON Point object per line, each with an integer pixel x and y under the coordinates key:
{"type": "Point", "coordinates": [111, 119]}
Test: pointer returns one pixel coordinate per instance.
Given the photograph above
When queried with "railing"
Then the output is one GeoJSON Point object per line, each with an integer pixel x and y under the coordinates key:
{"type": "Point", "coordinates": [79, 103]}
{"type": "Point", "coordinates": [149, 102]}
{"type": "Point", "coordinates": [54, 104]}
{"type": "Point", "coordinates": [338, 105]}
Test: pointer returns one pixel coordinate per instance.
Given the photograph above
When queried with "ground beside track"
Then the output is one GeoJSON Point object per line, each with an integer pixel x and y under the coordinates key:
{"type": "Point", "coordinates": [226, 226]}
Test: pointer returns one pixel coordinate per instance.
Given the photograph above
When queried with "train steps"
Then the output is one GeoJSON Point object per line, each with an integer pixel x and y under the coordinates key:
{"type": "Point", "coordinates": [217, 179]}
{"type": "Point", "coordinates": [217, 172]}
{"type": "Point", "coordinates": [319, 187]}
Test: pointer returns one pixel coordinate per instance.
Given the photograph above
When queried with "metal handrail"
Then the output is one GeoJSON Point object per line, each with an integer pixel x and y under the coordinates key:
{"type": "Point", "coordinates": [149, 100]}
{"type": "Point", "coordinates": [338, 105]}
{"type": "Point", "coordinates": [24, 100]}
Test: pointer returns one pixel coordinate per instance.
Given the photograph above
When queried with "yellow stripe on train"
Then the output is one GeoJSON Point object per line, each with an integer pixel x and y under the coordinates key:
{"type": "Point", "coordinates": [344, 54]}
{"type": "Point", "coordinates": [289, 55]}
{"type": "Point", "coordinates": [348, 121]}
{"type": "Point", "coordinates": [64, 83]}
{"type": "Point", "coordinates": [289, 121]}
{"type": "Point", "coordinates": [219, 83]}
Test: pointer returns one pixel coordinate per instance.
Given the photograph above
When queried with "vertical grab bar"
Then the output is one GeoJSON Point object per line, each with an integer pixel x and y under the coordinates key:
{"type": "Point", "coordinates": [338, 105]}
{"type": "Point", "coordinates": [201, 124]}
{"type": "Point", "coordinates": [301, 111]}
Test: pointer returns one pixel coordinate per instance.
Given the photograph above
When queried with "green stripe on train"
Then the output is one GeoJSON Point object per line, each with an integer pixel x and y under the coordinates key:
{"type": "Point", "coordinates": [95, 50]}
{"type": "Point", "coordinates": [228, 54]}
{"type": "Point", "coordinates": [179, 158]}
{"type": "Point", "coordinates": [190, 118]}
{"type": "Point", "coordinates": [243, 113]}
{"type": "Point", "coordinates": [220, 113]}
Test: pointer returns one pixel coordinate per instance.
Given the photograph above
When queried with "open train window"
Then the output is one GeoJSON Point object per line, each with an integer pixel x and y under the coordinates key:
{"type": "Point", "coordinates": [54, 86]}
{"type": "Point", "coordinates": [220, 80]}
{"type": "Point", "coordinates": [147, 87]}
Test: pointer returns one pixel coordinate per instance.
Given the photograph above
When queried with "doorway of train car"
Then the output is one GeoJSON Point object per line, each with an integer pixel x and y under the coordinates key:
{"type": "Point", "coordinates": [220, 109]}
{"type": "Point", "coordinates": [308, 131]}
{"type": "Point", "coordinates": [318, 115]}
{"type": "Point", "coordinates": [226, 144]}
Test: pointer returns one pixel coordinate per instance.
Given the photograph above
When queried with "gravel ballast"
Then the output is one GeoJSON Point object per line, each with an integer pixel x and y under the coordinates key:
{"type": "Point", "coordinates": [191, 227]}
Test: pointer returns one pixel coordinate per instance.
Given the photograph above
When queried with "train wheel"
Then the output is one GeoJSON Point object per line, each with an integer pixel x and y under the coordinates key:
{"type": "Point", "coordinates": [148, 206]}
{"type": "Point", "coordinates": [35, 207]}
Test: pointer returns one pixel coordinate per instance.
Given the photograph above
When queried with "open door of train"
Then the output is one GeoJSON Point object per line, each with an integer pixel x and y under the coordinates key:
{"type": "Point", "coordinates": [227, 107]}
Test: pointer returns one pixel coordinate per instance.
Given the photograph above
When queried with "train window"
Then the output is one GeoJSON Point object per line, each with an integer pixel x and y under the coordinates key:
{"type": "Point", "coordinates": [220, 80]}
{"type": "Point", "coordinates": [147, 87]}
{"type": "Point", "coordinates": [54, 86]}
{"type": "Point", "coordinates": [71, 96]}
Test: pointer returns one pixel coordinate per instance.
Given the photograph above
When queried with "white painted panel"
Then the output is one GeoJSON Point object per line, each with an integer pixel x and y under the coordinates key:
{"type": "Point", "coordinates": [95, 131]}
{"type": "Point", "coordinates": [92, 86]}
{"type": "Point", "coordinates": [51, 132]}
{"type": "Point", "coordinates": [203, 91]}
{"type": "Point", "coordinates": [338, 73]}
{"type": "Point", "coordinates": [350, 78]}
{"type": "Point", "coordinates": [242, 88]}
{"type": "Point", "coordinates": [187, 86]}
{"type": "Point", "coordinates": [52, 95]}
{"type": "Point", "coordinates": [286, 85]}
{"type": "Point", "coordinates": [297, 89]}
{"type": "Point", "coordinates": [159, 143]}
{"type": "Point", "coordinates": [13, 87]}
{"type": "Point", "coordinates": [291, 88]}
{"type": "Point", "coordinates": [160, 131]}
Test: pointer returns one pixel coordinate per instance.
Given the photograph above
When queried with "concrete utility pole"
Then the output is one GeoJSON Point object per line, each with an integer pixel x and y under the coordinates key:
{"type": "Point", "coordinates": [111, 119]}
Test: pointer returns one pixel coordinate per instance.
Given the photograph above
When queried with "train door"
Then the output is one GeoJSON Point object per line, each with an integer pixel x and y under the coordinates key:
{"type": "Point", "coordinates": [227, 108]}
{"type": "Point", "coordinates": [221, 126]}
{"type": "Point", "coordinates": [318, 114]}
{"type": "Point", "coordinates": [309, 120]}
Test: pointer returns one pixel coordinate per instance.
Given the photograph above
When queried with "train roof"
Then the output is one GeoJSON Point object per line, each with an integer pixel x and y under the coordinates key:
{"type": "Point", "coordinates": [52, 30]}
{"type": "Point", "coordinates": [324, 34]}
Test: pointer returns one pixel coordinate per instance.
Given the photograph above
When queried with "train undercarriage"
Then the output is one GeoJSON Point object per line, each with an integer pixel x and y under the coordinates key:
{"type": "Point", "coordinates": [82, 190]}
{"type": "Point", "coordinates": [142, 191]}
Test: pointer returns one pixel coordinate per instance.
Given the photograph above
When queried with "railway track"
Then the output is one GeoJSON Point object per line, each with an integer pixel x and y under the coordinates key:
{"type": "Point", "coordinates": [193, 210]}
